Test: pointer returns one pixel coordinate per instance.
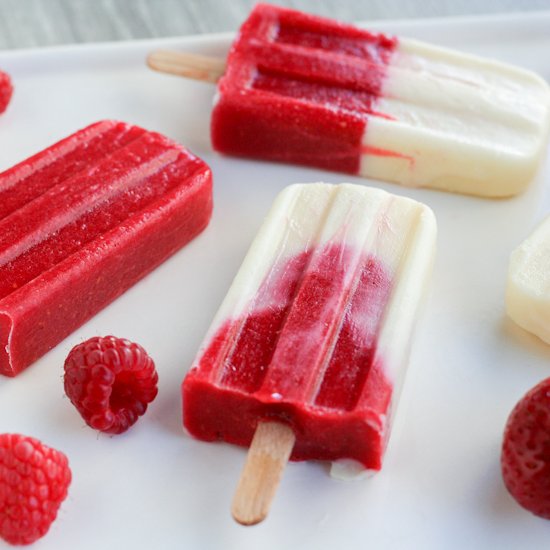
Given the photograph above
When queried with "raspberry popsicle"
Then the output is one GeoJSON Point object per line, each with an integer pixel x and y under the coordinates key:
{"type": "Point", "coordinates": [82, 221]}
{"type": "Point", "coordinates": [314, 330]}
{"type": "Point", "coordinates": [6, 90]}
{"type": "Point", "coordinates": [528, 288]}
{"type": "Point", "coordinates": [303, 89]}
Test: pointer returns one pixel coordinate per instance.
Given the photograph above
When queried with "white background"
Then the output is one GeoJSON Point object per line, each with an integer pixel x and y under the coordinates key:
{"type": "Point", "coordinates": [156, 487]}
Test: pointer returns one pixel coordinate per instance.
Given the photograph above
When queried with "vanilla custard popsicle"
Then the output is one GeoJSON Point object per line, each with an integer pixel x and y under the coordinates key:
{"type": "Point", "coordinates": [528, 288]}
{"type": "Point", "coordinates": [315, 329]}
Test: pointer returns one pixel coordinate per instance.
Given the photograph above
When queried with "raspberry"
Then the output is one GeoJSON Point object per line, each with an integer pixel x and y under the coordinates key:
{"type": "Point", "coordinates": [33, 483]}
{"type": "Point", "coordinates": [110, 381]}
{"type": "Point", "coordinates": [525, 458]}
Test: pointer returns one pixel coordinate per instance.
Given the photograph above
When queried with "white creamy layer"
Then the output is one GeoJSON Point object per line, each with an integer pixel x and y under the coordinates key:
{"type": "Point", "coordinates": [528, 288]}
{"type": "Point", "coordinates": [459, 123]}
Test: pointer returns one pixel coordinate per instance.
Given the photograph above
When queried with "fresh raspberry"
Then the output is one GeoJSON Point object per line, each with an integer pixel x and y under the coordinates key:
{"type": "Point", "coordinates": [110, 381]}
{"type": "Point", "coordinates": [33, 483]}
{"type": "Point", "coordinates": [6, 90]}
{"type": "Point", "coordinates": [525, 458]}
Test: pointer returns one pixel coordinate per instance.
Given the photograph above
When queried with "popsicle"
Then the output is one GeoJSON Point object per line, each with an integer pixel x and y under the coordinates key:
{"type": "Point", "coordinates": [6, 90]}
{"type": "Point", "coordinates": [528, 286]}
{"type": "Point", "coordinates": [82, 221]}
{"type": "Point", "coordinates": [314, 331]}
{"type": "Point", "coordinates": [303, 89]}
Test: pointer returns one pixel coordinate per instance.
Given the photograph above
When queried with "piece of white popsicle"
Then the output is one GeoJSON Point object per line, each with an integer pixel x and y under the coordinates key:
{"type": "Point", "coordinates": [528, 288]}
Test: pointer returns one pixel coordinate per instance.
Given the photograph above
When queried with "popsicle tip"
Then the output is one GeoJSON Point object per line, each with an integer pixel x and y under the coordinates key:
{"type": "Point", "coordinates": [243, 517]}
{"type": "Point", "coordinates": [150, 60]}
{"type": "Point", "coordinates": [158, 60]}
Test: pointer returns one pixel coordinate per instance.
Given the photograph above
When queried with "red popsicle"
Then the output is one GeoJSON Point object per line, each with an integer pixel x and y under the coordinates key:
{"type": "Point", "coordinates": [82, 221]}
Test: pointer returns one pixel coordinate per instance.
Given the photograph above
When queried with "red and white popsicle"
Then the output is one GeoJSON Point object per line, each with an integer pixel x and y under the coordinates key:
{"type": "Point", "coordinates": [314, 332]}
{"type": "Point", "coordinates": [82, 221]}
{"type": "Point", "coordinates": [303, 89]}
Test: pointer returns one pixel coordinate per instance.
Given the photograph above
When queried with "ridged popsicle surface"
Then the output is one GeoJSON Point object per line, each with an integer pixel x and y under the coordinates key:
{"type": "Point", "coordinates": [82, 221]}
{"type": "Point", "coordinates": [303, 333]}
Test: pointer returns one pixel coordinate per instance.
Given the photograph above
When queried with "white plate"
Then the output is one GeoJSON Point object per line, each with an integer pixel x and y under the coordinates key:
{"type": "Point", "coordinates": [155, 487]}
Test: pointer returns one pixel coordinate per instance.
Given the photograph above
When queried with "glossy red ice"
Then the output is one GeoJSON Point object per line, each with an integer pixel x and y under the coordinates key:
{"type": "Point", "coordinates": [84, 220]}
{"type": "Point", "coordinates": [298, 88]}
{"type": "Point", "coordinates": [6, 90]}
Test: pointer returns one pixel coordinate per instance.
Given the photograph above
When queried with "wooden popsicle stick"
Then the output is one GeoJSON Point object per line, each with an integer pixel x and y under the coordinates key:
{"type": "Point", "coordinates": [189, 65]}
{"type": "Point", "coordinates": [267, 457]}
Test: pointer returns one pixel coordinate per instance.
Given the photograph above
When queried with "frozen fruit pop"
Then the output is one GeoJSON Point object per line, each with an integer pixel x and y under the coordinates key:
{"type": "Point", "coordinates": [6, 90]}
{"type": "Point", "coordinates": [82, 221]}
{"type": "Point", "coordinates": [314, 330]}
{"type": "Point", "coordinates": [528, 288]}
{"type": "Point", "coordinates": [303, 89]}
